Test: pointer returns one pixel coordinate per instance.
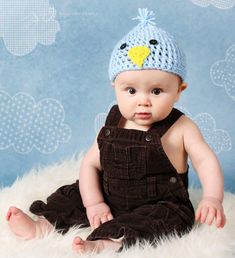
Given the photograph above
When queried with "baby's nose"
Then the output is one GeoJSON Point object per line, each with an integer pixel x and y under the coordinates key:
{"type": "Point", "coordinates": [144, 101]}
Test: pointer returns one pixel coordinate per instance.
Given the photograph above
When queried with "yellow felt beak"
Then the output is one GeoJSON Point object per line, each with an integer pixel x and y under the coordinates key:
{"type": "Point", "coordinates": [138, 55]}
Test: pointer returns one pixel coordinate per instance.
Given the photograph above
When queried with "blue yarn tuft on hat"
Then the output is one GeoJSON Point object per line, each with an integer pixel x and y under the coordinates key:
{"type": "Point", "coordinates": [147, 47]}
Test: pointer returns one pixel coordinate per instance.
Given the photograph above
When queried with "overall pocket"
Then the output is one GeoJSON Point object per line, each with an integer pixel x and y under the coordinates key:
{"type": "Point", "coordinates": [137, 156]}
{"type": "Point", "coordinates": [114, 160]}
{"type": "Point", "coordinates": [123, 162]}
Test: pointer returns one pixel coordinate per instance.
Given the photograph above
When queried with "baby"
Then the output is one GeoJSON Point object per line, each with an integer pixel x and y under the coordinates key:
{"type": "Point", "coordinates": [133, 180]}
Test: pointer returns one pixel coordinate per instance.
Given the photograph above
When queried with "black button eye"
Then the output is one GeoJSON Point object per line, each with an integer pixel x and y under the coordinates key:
{"type": "Point", "coordinates": [123, 46]}
{"type": "Point", "coordinates": [153, 42]}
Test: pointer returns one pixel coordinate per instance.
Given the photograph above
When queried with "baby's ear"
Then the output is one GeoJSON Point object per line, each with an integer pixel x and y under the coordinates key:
{"type": "Point", "coordinates": [182, 86]}
{"type": "Point", "coordinates": [113, 85]}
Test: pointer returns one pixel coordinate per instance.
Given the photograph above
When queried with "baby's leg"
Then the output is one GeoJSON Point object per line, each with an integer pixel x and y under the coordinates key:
{"type": "Point", "coordinates": [24, 226]}
{"type": "Point", "coordinates": [83, 246]}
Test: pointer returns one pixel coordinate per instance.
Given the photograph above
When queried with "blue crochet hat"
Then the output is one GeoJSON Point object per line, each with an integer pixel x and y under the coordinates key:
{"type": "Point", "coordinates": [147, 47]}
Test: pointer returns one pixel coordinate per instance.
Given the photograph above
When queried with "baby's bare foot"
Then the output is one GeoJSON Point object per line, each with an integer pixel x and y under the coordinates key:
{"type": "Point", "coordinates": [20, 223]}
{"type": "Point", "coordinates": [24, 226]}
{"type": "Point", "coordinates": [83, 246]}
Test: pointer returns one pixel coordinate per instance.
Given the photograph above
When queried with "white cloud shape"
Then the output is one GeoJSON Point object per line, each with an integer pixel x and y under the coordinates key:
{"type": "Point", "coordinates": [222, 72]}
{"type": "Point", "coordinates": [25, 23]}
{"type": "Point", "coordinates": [25, 124]}
{"type": "Point", "coordinates": [218, 139]}
{"type": "Point", "coordinates": [221, 4]}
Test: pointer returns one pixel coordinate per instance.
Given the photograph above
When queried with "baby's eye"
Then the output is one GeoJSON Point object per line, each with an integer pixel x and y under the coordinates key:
{"type": "Point", "coordinates": [156, 91]}
{"type": "Point", "coordinates": [131, 90]}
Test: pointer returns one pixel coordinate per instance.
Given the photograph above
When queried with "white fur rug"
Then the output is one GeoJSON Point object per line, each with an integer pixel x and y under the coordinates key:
{"type": "Point", "coordinates": [203, 241]}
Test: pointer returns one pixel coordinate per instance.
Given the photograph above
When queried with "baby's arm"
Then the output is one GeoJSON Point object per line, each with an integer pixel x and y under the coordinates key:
{"type": "Point", "coordinates": [97, 210]}
{"type": "Point", "coordinates": [209, 171]}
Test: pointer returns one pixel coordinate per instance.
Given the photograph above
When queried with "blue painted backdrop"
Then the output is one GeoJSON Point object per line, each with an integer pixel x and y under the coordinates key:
{"type": "Point", "coordinates": [54, 87]}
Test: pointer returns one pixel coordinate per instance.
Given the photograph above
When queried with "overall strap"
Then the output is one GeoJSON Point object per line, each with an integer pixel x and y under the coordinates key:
{"type": "Point", "coordinates": [113, 117]}
{"type": "Point", "coordinates": [162, 127]}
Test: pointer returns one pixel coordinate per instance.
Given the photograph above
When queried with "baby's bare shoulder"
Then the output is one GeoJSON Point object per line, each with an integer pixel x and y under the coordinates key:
{"type": "Point", "coordinates": [179, 129]}
{"type": "Point", "coordinates": [189, 128]}
{"type": "Point", "coordinates": [185, 127]}
{"type": "Point", "coordinates": [185, 123]}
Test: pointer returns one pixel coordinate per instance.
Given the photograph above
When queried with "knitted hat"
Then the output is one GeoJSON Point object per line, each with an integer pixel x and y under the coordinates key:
{"type": "Point", "coordinates": [147, 47]}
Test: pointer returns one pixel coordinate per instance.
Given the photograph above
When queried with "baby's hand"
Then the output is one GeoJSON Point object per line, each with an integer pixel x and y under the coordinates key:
{"type": "Point", "coordinates": [210, 209]}
{"type": "Point", "coordinates": [98, 214]}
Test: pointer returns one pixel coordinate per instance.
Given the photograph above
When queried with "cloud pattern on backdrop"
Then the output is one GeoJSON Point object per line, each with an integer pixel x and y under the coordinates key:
{"type": "Point", "coordinates": [219, 140]}
{"type": "Point", "coordinates": [25, 124]}
{"type": "Point", "coordinates": [221, 4]}
{"type": "Point", "coordinates": [222, 72]}
{"type": "Point", "coordinates": [26, 23]}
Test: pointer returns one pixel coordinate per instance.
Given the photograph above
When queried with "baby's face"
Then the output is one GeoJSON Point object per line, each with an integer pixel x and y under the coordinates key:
{"type": "Point", "coordinates": [147, 96]}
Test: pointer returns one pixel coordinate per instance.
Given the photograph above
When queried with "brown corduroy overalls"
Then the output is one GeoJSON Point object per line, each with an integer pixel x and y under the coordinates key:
{"type": "Point", "coordinates": [146, 195]}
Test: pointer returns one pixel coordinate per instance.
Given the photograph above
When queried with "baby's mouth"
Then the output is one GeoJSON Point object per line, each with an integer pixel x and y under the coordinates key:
{"type": "Point", "coordinates": [143, 115]}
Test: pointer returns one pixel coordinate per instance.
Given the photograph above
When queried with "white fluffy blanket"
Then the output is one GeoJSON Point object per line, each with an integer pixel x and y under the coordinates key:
{"type": "Point", "coordinates": [203, 241]}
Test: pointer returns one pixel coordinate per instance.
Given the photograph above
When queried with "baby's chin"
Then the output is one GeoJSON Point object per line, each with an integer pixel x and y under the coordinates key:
{"type": "Point", "coordinates": [141, 124]}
